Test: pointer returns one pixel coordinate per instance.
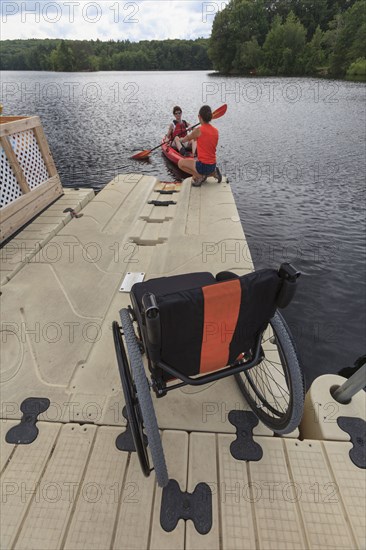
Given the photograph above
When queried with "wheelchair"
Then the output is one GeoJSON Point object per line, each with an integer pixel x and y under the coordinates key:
{"type": "Point", "coordinates": [195, 329]}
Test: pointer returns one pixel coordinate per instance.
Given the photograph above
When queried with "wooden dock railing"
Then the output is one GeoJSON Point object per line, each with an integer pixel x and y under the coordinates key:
{"type": "Point", "coordinates": [28, 175]}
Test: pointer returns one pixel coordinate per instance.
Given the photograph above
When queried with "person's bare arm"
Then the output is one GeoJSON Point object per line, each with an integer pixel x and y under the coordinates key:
{"type": "Point", "coordinates": [170, 131]}
{"type": "Point", "coordinates": [193, 135]}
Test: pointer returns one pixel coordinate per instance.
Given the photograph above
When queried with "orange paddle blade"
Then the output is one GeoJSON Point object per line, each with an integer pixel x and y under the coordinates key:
{"type": "Point", "coordinates": [218, 113]}
{"type": "Point", "coordinates": [141, 155]}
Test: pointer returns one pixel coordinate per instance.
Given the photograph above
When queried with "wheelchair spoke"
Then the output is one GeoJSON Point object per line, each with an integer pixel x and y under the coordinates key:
{"type": "Point", "coordinates": [284, 393]}
{"type": "Point", "coordinates": [277, 384]}
{"type": "Point", "coordinates": [264, 382]}
{"type": "Point", "coordinates": [268, 386]}
{"type": "Point", "coordinates": [274, 389]}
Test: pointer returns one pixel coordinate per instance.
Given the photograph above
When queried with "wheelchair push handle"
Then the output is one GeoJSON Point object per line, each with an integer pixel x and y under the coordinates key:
{"type": "Point", "coordinates": [152, 320]}
{"type": "Point", "coordinates": [150, 306]}
{"type": "Point", "coordinates": [289, 275]}
{"type": "Point", "coordinates": [288, 272]}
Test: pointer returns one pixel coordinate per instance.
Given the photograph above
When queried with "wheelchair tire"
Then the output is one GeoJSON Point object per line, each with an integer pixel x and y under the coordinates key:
{"type": "Point", "coordinates": [144, 399]}
{"type": "Point", "coordinates": [132, 407]}
{"type": "Point", "coordinates": [275, 391]}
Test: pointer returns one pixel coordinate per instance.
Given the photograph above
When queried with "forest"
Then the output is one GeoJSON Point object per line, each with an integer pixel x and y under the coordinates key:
{"type": "Point", "coordinates": [95, 55]}
{"type": "Point", "coordinates": [249, 37]}
{"type": "Point", "coordinates": [290, 38]}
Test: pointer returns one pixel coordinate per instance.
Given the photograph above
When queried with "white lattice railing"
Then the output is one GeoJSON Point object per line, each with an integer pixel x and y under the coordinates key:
{"type": "Point", "coordinates": [28, 175]}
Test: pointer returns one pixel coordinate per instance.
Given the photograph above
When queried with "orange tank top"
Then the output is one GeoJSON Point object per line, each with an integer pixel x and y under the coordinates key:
{"type": "Point", "coordinates": [207, 143]}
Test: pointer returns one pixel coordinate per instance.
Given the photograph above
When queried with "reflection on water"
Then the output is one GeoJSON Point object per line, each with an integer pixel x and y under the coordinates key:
{"type": "Point", "coordinates": [293, 150]}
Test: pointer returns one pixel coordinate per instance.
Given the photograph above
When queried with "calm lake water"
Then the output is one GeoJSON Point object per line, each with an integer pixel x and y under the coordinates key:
{"type": "Point", "coordinates": [293, 150]}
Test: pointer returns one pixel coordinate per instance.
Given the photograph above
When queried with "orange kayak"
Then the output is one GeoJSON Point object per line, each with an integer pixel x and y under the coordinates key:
{"type": "Point", "coordinates": [171, 153]}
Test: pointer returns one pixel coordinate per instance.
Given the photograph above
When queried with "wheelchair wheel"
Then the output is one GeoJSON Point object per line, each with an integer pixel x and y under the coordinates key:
{"type": "Point", "coordinates": [274, 389]}
{"type": "Point", "coordinates": [143, 396]}
{"type": "Point", "coordinates": [132, 406]}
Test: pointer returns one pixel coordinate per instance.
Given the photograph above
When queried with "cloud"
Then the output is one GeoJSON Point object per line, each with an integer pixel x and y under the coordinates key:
{"type": "Point", "coordinates": [108, 20]}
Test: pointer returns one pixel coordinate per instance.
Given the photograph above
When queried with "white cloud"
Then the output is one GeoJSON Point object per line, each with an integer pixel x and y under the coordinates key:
{"type": "Point", "coordinates": [108, 20]}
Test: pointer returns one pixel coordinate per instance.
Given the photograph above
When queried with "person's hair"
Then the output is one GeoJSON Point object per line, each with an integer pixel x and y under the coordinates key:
{"type": "Point", "coordinates": [206, 113]}
{"type": "Point", "coordinates": [176, 108]}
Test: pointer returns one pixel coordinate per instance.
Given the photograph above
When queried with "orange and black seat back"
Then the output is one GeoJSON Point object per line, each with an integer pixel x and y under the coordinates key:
{"type": "Point", "coordinates": [206, 328]}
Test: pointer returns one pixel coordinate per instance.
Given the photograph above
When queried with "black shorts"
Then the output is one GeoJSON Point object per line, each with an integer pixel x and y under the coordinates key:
{"type": "Point", "coordinates": [204, 169]}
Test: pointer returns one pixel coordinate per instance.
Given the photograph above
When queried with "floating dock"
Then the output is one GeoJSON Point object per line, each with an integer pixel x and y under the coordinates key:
{"type": "Point", "coordinates": [71, 488]}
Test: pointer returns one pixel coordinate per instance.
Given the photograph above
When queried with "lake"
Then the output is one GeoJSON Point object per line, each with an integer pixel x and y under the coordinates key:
{"type": "Point", "coordinates": [293, 150]}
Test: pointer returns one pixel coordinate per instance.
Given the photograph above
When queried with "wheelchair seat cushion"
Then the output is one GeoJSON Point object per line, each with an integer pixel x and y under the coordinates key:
{"type": "Point", "coordinates": [206, 326]}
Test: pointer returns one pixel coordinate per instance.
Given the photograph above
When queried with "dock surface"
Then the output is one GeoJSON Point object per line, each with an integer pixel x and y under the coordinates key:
{"type": "Point", "coordinates": [72, 488]}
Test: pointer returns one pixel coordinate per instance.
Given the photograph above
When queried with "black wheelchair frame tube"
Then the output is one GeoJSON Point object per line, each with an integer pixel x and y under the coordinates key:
{"type": "Point", "coordinates": [212, 377]}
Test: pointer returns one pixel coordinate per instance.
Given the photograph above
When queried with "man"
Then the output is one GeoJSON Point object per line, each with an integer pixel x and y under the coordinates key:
{"type": "Point", "coordinates": [207, 137]}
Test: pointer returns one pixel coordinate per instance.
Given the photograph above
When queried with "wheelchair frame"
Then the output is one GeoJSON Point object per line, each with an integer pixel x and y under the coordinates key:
{"type": "Point", "coordinates": [157, 367]}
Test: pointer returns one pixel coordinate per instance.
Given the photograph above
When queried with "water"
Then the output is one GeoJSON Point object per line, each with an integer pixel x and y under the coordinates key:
{"type": "Point", "coordinates": [293, 150]}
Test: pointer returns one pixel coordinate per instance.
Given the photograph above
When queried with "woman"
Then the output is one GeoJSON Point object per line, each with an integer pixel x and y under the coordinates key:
{"type": "Point", "coordinates": [207, 137]}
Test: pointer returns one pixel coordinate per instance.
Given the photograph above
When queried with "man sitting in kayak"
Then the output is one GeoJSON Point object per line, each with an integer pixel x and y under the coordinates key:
{"type": "Point", "coordinates": [178, 130]}
{"type": "Point", "coordinates": [207, 138]}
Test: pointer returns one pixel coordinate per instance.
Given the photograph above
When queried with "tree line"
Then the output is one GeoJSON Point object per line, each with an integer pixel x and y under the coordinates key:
{"type": "Point", "coordinates": [258, 37]}
{"type": "Point", "coordinates": [290, 38]}
{"type": "Point", "coordinates": [95, 55]}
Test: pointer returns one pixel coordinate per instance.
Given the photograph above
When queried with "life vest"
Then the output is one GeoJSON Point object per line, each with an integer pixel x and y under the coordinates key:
{"type": "Point", "coordinates": [180, 128]}
{"type": "Point", "coordinates": [207, 143]}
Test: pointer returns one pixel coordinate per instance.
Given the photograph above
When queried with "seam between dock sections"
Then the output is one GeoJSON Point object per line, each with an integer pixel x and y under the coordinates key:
{"type": "Point", "coordinates": [151, 517]}
{"type": "Point", "coordinates": [252, 502]}
{"type": "Point", "coordinates": [71, 514]}
{"type": "Point", "coordinates": [343, 506]}
{"type": "Point", "coordinates": [120, 502]}
{"type": "Point", "coordinates": [9, 458]}
{"type": "Point", "coordinates": [20, 528]}
{"type": "Point", "coordinates": [186, 485]}
{"type": "Point", "coordinates": [298, 509]}
{"type": "Point", "coordinates": [219, 511]}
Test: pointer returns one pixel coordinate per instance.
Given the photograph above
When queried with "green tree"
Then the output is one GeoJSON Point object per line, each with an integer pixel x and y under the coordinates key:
{"type": "Point", "coordinates": [312, 14]}
{"type": "Point", "coordinates": [82, 53]}
{"type": "Point", "coordinates": [93, 63]}
{"type": "Point", "coordinates": [240, 22]}
{"type": "Point", "coordinates": [222, 48]}
{"type": "Point", "coordinates": [250, 57]}
{"type": "Point", "coordinates": [348, 38]}
{"type": "Point", "coordinates": [62, 58]}
{"type": "Point", "coordinates": [284, 46]}
{"type": "Point", "coordinates": [358, 68]}
{"type": "Point", "coordinates": [314, 55]}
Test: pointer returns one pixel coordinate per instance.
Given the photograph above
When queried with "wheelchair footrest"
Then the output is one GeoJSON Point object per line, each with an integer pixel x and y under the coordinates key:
{"type": "Point", "coordinates": [244, 447]}
{"type": "Point", "coordinates": [124, 442]}
{"type": "Point", "coordinates": [196, 506]}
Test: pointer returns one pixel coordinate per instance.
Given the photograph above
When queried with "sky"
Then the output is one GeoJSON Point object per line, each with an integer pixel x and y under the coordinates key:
{"type": "Point", "coordinates": [108, 19]}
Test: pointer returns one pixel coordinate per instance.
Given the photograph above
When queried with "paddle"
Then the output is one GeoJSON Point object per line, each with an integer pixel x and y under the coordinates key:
{"type": "Point", "coordinates": [216, 114]}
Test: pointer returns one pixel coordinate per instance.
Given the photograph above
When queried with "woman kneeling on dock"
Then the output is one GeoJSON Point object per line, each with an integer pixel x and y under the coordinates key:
{"type": "Point", "coordinates": [207, 138]}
